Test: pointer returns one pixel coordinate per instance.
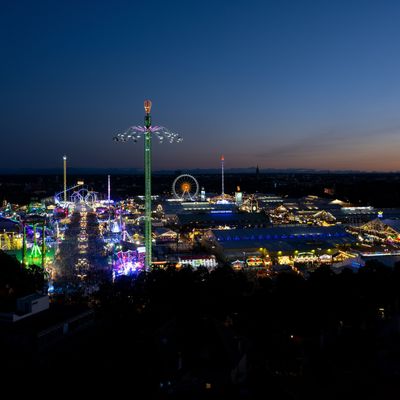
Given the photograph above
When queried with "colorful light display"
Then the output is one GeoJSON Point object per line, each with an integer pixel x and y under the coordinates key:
{"type": "Point", "coordinates": [129, 262]}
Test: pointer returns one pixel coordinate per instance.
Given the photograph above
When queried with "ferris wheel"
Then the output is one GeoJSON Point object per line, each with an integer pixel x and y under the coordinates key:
{"type": "Point", "coordinates": [185, 187]}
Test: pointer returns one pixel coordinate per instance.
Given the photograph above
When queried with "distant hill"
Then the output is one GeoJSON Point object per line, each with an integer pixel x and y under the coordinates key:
{"type": "Point", "coordinates": [196, 171]}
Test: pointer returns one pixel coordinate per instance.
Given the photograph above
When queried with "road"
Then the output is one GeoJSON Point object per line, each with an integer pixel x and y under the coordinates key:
{"type": "Point", "coordinates": [81, 266]}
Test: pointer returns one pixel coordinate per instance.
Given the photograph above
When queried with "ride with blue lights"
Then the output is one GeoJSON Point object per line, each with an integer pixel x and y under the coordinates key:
{"type": "Point", "coordinates": [129, 262]}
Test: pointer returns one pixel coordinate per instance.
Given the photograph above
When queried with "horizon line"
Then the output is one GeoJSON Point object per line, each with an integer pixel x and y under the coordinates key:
{"type": "Point", "coordinates": [140, 171]}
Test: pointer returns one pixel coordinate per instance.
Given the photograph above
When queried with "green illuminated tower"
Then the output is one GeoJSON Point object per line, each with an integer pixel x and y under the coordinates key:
{"type": "Point", "coordinates": [134, 133]}
{"type": "Point", "coordinates": [147, 180]}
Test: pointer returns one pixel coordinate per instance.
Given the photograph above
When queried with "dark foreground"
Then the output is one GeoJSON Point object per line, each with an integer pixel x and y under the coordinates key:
{"type": "Point", "coordinates": [198, 335]}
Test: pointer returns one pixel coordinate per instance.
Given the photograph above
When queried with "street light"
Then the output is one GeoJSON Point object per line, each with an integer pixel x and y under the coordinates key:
{"type": "Point", "coordinates": [134, 133]}
{"type": "Point", "coordinates": [65, 178]}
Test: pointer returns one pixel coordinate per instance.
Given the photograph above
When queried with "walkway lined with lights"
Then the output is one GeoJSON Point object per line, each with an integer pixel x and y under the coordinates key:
{"type": "Point", "coordinates": [80, 252]}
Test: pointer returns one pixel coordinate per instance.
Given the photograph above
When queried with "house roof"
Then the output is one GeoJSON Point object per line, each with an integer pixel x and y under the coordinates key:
{"type": "Point", "coordinates": [223, 218]}
{"type": "Point", "coordinates": [9, 225]}
{"type": "Point", "coordinates": [290, 238]}
{"type": "Point", "coordinates": [393, 223]}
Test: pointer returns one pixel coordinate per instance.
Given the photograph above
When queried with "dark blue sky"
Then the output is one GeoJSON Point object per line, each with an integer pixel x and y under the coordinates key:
{"type": "Point", "coordinates": [281, 84]}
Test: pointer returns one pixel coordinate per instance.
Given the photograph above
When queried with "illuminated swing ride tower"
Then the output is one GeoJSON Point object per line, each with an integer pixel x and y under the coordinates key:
{"type": "Point", "coordinates": [134, 133]}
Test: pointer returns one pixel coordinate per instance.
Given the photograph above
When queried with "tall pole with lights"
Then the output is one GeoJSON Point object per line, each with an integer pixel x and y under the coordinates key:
{"type": "Point", "coordinates": [147, 180]}
{"type": "Point", "coordinates": [109, 190]}
{"type": "Point", "coordinates": [109, 200]}
{"type": "Point", "coordinates": [134, 133]}
{"type": "Point", "coordinates": [65, 178]}
{"type": "Point", "coordinates": [222, 175]}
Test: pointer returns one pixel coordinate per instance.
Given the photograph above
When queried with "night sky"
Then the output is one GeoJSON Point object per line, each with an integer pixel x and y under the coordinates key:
{"type": "Point", "coordinates": [281, 84]}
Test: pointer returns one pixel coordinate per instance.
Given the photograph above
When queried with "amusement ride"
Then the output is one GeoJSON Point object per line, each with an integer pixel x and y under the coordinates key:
{"type": "Point", "coordinates": [185, 187]}
{"type": "Point", "coordinates": [147, 131]}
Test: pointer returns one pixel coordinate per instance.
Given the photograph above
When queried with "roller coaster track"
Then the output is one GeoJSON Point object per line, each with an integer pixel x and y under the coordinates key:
{"type": "Point", "coordinates": [58, 197]}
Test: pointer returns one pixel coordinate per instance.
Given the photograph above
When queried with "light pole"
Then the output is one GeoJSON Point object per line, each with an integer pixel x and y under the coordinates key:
{"type": "Point", "coordinates": [109, 199]}
{"type": "Point", "coordinates": [222, 176]}
{"type": "Point", "coordinates": [65, 178]}
{"type": "Point", "coordinates": [134, 133]}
